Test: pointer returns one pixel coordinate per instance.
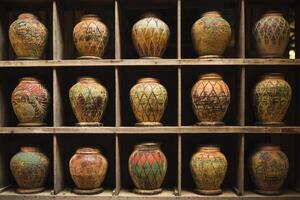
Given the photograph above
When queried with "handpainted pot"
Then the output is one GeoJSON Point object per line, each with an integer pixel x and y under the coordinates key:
{"type": "Point", "coordinates": [208, 166]}
{"type": "Point", "coordinates": [210, 99]}
{"type": "Point", "coordinates": [88, 99]}
{"type": "Point", "coordinates": [150, 36]}
{"type": "Point", "coordinates": [30, 101]}
{"type": "Point", "coordinates": [30, 168]}
{"type": "Point", "coordinates": [272, 33]}
{"type": "Point", "coordinates": [271, 99]}
{"type": "Point", "coordinates": [148, 100]}
{"type": "Point", "coordinates": [147, 167]}
{"type": "Point", "coordinates": [211, 35]}
{"type": "Point", "coordinates": [268, 168]}
{"type": "Point", "coordinates": [90, 36]}
{"type": "Point", "coordinates": [28, 37]}
{"type": "Point", "coordinates": [88, 168]}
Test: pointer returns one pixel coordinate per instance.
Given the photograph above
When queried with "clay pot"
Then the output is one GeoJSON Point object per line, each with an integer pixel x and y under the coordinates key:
{"type": "Point", "coordinates": [90, 36]}
{"type": "Point", "coordinates": [88, 99]}
{"type": "Point", "coordinates": [30, 168]}
{"type": "Point", "coordinates": [150, 36]}
{"type": "Point", "coordinates": [28, 37]}
{"type": "Point", "coordinates": [210, 99]}
{"type": "Point", "coordinates": [30, 101]}
{"type": "Point", "coordinates": [148, 100]}
{"type": "Point", "coordinates": [271, 99]}
{"type": "Point", "coordinates": [88, 168]}
{"type": "Point", "coordinates": [211, 35]}
{"type": "Point", "coordinates": [147, 167]}
{"type": "Point", "coordinates": [272, 33]}
{"type": "Point", "coordinates": [268, 168]}
{"type": "Point", "coordinates": [208, 166]}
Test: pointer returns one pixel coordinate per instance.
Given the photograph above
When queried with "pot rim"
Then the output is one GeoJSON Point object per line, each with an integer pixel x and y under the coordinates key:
{"type": "Point", "coordinates": [212, 12]}
{"type": "Point", "coordinates": [90, 16]}
{"type": "Point", "coordinates": [268, 147]}
{"type": "Point", "coordinates": [210, 76]}
{"type": "Point", "coordinates": [88, 150]}
{"type": "Point", "coordinates": [87, 78]}
{"type": "Point", "coordinates": [29, 79]}
{"type": "Point", "coordinates": [209, 147]}
{"type": "Point", "coordinates": [272, 13]}
{"type": "Point", "coordinates": [27, 15]}
{"type": "Point", "coordinates": [149, 14]}
{"type": "Point", "coordinates": [148, 80]}
{"type": "Point", "coordinates": [272, 76]}
{"type": "Point", "coordinates": [147, 146]}
{"type": "Point", "coordinates": [30, 149]}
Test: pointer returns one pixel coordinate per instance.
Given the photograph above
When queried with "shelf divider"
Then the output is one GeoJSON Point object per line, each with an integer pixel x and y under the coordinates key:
{"type": "Point", "coordinates": [58, 46]}
{"type": "Point", "coordinates": [58, 166]}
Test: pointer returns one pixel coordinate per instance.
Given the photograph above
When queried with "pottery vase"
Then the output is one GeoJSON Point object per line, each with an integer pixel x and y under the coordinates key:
{"type": "Point", "coordinates": [268, 169]}
{"type": "Point", "coordinates": [28, 37]}
{"type": "Point", "coordinates": [30, 101]}
{"type": "Point", "coordinates": [211, 35]}
{"type": "Point", "coordinates": [271, 99]}
{"type": "Point", "coordinates": [150, 36]}
{"type": "Point", "coordinates": [147, 167]}
{"type": "Point", "coordinates": [30, 168]}
{"type": "Point", "coordinates": [88, 169]}
{"type": "Point", "coordinates": [90, 37]}
{"type": "Point", "coordinates": [88, 100]}
{"type": "Point", "coordinates": [148, 100]}
{"type": "Point", "coordinates": [208, 167]}
{"type": "Point", "coordinates": [210, 99]}
{"type": "Point", "coordinates": [272, 34]}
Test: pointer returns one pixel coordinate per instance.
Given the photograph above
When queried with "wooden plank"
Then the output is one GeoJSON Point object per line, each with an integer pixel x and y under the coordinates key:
{"type": "Point", "coordinates": [179, 173]}
{"type": "Point", "coordinates": [58, 166]}
{"type": "Point", "coordinates": [240, 175]}
{"type": "Point", "coordinates": [118, 167]}
{"type": "Point", "coordinates": [118, 114]}
{"type": "Point", "coordinates": [58, 44]}
{"type": "Point", "coordinates": [118, 47]}
{"type": "Point", "coordinates": [179, 29]}
{"type": "Point", "coordinates": [57, 101]}
{"type": "Point", "coordinates": [242, 30]}
{"type": "Point", "coordinates": [242, 87]}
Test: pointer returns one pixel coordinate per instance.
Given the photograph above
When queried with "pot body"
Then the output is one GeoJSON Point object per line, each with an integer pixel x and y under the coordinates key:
{"type": "Point", "coordinates": [28, 37]}
{"type": "Point", "coordinates": [210, 99]}
{"type": "Point", "coordinates": [272, 33]}
{"type": "Point", "coordinates": [90, 37]}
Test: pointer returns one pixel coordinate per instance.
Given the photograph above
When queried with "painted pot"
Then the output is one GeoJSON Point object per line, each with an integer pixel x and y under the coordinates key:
{"type": "Point", "coordinates": [30, 101]}
{"type": "Point", "coordinates": [150, 36]}
{"type": "Point", "coordinates": [148, 99]}
{"type": "Point", "coordinates": [268, 168]}
{"type": "Point", "coordinates": [208, 167]}
{"type": "Point", "coordinates": [210, 99]}
{"type": "Point", "coordinates": [271, 99]}
{"type": "Point", "coordinates": [28, 37]}
{"type": "Point", "coordinates": [88, 168]}
{"type": "Point", "coordinates": [147, 167]}
{"type": "Point", "coordinates": [88, 100]}
{"type": "Point", "coordinates": [30, 168]}
{"type": "Point", "coordinates": [90, 37]}
{"type": "Point", "coordinates": [272, 33]}
{"type": "Point", "coordinates": [211, 35]}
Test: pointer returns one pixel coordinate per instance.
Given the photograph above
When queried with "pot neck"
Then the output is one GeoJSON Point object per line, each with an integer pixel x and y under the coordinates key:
{"type": "Point", "coordinates": [209, 148]}
{"type": "Point", "coordinates": [148, 80]}
{"type": "Point", "coordinates": [88, 150]}
{"type": "Point", "coordinates": [273, 13]}
{"type": "Point", "coordinates": [30, 149]}
{"type": "Point", "coordinates": [273, 76]}
{"type": "Point", "coordinates": [147, 146]}
{"type": "Point", "coordinates": [149, 14]}
{"type": "Point", "coordinates": [87, 80]}
{"type": "Point", "coordinates": [210, 76]}
{"type": "Point", "coordinates": [268, 147]}
{"type": "Point", "coordinates": [29, 79]}
{"type": "Point", "coordinates": [27, 16]}
{"type": "Point", "coordinates": [90, 17]}
{"type": "Point", "coordinates": [211, 14]}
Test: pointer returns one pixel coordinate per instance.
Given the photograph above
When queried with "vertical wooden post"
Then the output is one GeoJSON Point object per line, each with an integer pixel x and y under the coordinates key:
{"type": "Point", "coordinates": [58, 166]}
{"type": "Point", "coordinates": [57, 33]}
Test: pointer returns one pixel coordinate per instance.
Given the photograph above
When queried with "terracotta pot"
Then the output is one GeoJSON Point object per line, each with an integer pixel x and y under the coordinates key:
{"type": "Point", "coordinates": [150, 36]}
{"type": "Point", "coordinates": [148, 100]}
{"type": "Point", "coordinates": [272, 33]}
{"type": "Point", "coordinates": [210, 99]}
{"type": "Point", "coordinates": [88, 99]}
{"type": "Point", "coordinates": [268, 168]}
{"type": "Point", "coordinates": [90, 36]}
{"type": "Point", "coordinates": [271, 99]}
{"type": "Point", "coordinates": [88, 168]}
{"type": "Point", "coordinates": [30, 101]}
{"type": "Point", "coordinates": [208, 166]}
{"type": "Point", "coordinates": [30, 168]}
{"type": "Point", "coordinates": [147, 167]}
{"type": "Point", "coordinates": [28, 37]}
{"type": "Point", "coordinates": [211, 35]}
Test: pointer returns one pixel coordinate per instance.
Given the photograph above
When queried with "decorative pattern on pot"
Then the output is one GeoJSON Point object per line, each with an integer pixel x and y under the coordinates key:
{"type": "Point", "coordinates": [28, 37]}
{"type": "Point", "coordinates": [30, 101]}
{"type": "Point", "coordinates": [210, 99]}
{"type": "Point", "coordinates": [148, 100]}
{"type": "Point", "coordinates": [147, 167]}
{"type": "Point", "coordinates": [89, 100]}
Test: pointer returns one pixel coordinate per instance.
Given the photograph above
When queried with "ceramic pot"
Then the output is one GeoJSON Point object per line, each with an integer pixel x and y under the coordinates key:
{"type": "Point", "coordinates": [30, 101]}
{"type": "Point", "coordinates": [150, 36]}
{"type": "Point", "coordinates": [30, 168]}
{"type": "Point", "coordinates": [208, 166]}
{"type": "Point", "coordinates": [148, 100]}
{"type": "Point", "coordinates": [272, 33]}
{"type": "Point", "coordinates": [210, 99]}
{"type": "Point", "coordinates": [271, 99]}
{"type": "Point", "coordinates": [28, 37]}
{"type": "Point", "coordinates": [88, 168]}
{"type": "Point", "coordinates": [90, 37]}
{"type": "Point", "coordinates": [88, 100]}
{"type": "Point", "coordinates": [211, 35]}
{"type": "Point", "coordinates": [268, 168]}
{"type": "Point", "coordinates": [147, 167]}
